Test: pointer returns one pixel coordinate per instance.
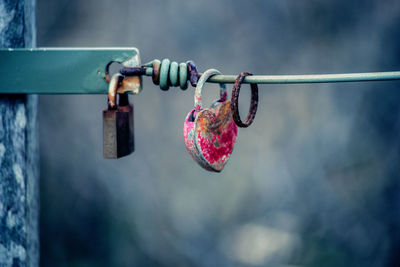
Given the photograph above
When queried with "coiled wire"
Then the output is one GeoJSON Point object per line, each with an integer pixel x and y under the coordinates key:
{"type": "Point", "coordinates": [166, 73]}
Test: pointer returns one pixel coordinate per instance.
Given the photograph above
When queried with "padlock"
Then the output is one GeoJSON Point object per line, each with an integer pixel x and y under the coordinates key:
{"type": "Point", "coordinates": [118, 131]}
{"type": "Point", "coordinates": [210, 133]}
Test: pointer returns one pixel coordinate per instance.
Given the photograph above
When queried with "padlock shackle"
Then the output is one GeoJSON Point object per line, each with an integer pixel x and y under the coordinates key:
{"type": "Point", "coordinates": [123, 100]}
{"type": "Point", "coordinates": [112, 90]}
{"type": "Point", "coordinates": [198, 105]}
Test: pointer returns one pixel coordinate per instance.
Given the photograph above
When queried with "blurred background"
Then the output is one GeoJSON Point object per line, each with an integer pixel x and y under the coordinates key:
{"type": "Point", "coordinates": [313, 182]}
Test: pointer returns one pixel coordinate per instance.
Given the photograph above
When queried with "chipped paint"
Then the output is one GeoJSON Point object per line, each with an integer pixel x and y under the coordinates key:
{"type": "Point", "coordinates": [20, 120]}
{"type": "Point", "coordinates": [2, 151]}
{"type": "Point", "coordinates": [6, 17]}
{"type": "Point", "coordinates": [189, 138]}
{"type": "Point", "coordinates": [10, 220]}
{"type": "Point", "coordinates": [1, 210]}
{"type": "Point", "coordinates": [18, 251]}
{"type": "Point", "coordinates": [210, 134]}
{"type": "Point", "coordinates": [18, 175]}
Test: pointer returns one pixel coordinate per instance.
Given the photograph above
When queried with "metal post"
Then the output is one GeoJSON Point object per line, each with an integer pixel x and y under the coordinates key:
{"type": "Point", "coordinates": [19, 196]}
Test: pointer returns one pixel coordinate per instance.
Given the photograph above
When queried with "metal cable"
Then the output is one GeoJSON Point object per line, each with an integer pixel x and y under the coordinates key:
{"type": "Point", "coordinates": [309, 78]}
{"type": "Point", "coordinates": [166, 73]}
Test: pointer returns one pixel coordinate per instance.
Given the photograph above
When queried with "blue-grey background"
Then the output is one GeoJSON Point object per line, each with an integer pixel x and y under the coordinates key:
{"type": "Point", "coordinates": [313, 182]}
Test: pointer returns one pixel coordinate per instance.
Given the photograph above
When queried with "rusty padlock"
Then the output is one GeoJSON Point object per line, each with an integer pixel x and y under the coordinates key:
{"type": "Point", "coordinates": [118, 132]}
{"type": "Point", "coordinates": [210, 133]}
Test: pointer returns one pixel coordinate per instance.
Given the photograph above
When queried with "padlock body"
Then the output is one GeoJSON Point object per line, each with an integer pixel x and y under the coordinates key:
{"type": "Point", "coordinates": [118, 132]}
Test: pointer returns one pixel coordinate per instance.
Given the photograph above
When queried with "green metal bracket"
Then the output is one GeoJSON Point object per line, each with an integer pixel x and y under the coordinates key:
{"type": "Point", "coordinates": [64, 70]}
{"type": "Point", "coordinates": [82, 71]}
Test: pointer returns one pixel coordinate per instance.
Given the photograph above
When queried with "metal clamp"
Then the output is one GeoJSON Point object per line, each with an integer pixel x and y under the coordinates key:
{"type": "Point", "coordinates": [131, 83]}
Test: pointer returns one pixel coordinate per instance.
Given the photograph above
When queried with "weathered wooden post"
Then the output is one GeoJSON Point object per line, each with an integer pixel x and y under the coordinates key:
{"type": "Point", "coordinates": [19, 196]}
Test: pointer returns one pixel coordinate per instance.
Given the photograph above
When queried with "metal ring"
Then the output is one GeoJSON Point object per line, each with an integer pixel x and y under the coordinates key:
{"type": "Point", "coordinates": [183, 76]}
{"type": "Point", "coordinates": [164, 73]}
{"type": "Point", "coordinates": [235, 101]}
{"type": "Point", "coordinates": [156, 71]}
{"type": "Point", "coordinates": [198, 105]}
{"type": "Point", "coordinates": [173, 73]}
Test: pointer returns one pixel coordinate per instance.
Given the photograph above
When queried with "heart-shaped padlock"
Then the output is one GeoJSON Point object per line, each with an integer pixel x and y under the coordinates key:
{"type": "Point", "coordinates": [210, 134]}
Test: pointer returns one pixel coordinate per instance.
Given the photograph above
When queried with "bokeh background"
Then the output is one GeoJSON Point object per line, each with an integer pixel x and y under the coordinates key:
{"type": "Point", "coordinates": [313, 182]}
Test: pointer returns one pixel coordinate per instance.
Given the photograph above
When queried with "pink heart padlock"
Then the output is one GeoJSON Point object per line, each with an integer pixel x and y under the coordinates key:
{"type": "Point", "coordinates": [210, 134]}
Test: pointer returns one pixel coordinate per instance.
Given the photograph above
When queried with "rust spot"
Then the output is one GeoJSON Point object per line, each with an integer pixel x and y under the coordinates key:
{"type": "Point", "coordinates": [235, 101]}
{"type": "Point", "coordinates": [194, 75]}
{"type": "Point", "coordinates": [112, 90]}
{"type": "Point", "coordinates": [156, 72]}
